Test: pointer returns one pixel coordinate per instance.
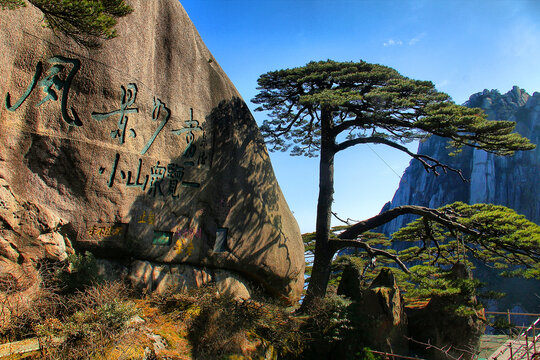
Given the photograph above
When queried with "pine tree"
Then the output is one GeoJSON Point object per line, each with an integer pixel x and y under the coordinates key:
{"type": "Point", "coordinates": [85, 21]}
{"type": "Point", "coordinates": [326, 107]}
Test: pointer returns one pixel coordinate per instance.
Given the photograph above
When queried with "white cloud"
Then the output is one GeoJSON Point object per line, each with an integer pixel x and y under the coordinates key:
{"type": "Point", "coordinates": [413, 41]}
{"type": "Point", "coordinates": [416, 39]}
{"type": "Point", "coordinates": [393, 42]}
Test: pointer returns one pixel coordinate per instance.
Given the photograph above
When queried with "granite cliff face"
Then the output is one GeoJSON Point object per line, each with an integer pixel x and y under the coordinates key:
{"type": "Point", "coordinates": [142, 152]}
{"type": "Point", "coordinates": [509, 181]}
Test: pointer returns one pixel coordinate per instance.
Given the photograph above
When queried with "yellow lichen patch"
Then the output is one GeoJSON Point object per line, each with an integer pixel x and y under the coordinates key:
{"type": "Point", "coordinates": [147, 310]}
{"type": "Point", "coordinates": [169, 327]}
{"type": "Point", "coordinates": [193, 311]}
{"type": "Point", "coordinates": [129, 346]}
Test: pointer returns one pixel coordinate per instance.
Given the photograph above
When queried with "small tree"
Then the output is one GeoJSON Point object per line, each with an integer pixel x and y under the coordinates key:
{"type": "Point", "coordinates": [85, 21]}
{"type": "Point", "coordinates": [326, 107]}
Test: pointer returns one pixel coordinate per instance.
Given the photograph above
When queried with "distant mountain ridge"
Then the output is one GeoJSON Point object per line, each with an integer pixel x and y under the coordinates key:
{"type": "Point", "coordinates": [509, 181]}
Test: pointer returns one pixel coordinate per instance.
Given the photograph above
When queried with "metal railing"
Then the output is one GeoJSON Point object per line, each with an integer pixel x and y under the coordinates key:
{"type": "Point", "coordinates": [535, 339]}
{"type": "Point", "coordinates": [524, 346]}
{"type": "Point", "coordinates": [510, 314]}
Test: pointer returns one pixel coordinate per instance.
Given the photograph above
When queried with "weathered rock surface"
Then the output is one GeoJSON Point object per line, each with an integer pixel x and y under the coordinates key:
{"type": "Point", "coordinates": [378, 312]}
{"type": "Point", "coordinates": [142, 152]}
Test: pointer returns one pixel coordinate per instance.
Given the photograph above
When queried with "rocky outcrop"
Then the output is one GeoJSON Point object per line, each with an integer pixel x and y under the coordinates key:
{"type": "Point", "coordinates": [377, 312]}
{"type": "Point", "coordinates": [508, 181]}
{"type": "Point", "coordinates": [452, 333]}
{"type": "Point", "coordinates": [142, 152]}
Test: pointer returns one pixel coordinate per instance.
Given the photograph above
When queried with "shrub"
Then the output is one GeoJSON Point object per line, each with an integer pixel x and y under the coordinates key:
{"type": "Point", "coordinates": [95, 321]}
{"type": "Point", "coordinates": [326, 325]}
{"type": "Point", "coordinates": [81, 272]}
{"type": "Point", "coordinates": [221, 326]}
{"type": "Point", "coordinates": [24, 306]}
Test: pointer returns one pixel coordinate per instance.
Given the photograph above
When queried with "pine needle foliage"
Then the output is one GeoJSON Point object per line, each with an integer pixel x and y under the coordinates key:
{"type": "Point", "coordinates": [469, 234]}
{"type": "Point", "coordinates": [492, 234]}
{"type": "Point", "coordinates": [11, 4]}
{"type": "Point", "coordinates": [371, 102]}
{"type": "Point", "coordinates": [85, 21]}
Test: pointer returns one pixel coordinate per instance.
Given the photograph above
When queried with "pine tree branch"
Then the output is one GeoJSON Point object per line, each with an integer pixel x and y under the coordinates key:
{"type": "Point", "coordinates": [430, 236]}
{"type": "Point", "coordinates": [338, 244]}
{"type": "Point", "coordinates": [279, 131]}
{"type": "Point", "coordinates": [443, 218]}
{"type": "Point", "coordinates": [424, 159]}
{"type": "Point", "coordinates": [347, 222]}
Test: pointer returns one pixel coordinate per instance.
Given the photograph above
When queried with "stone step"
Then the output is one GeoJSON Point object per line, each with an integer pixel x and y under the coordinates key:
{"type": "Point", "coordinates": [26, 346]}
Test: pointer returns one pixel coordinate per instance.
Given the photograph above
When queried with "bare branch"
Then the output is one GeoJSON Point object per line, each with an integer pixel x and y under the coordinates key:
{"type": "Point", "coordinates": [429, 163]}
{"type": "Point", "coordinates": [445, 349]}
{"type": "Point", "coordinates": [347, 222]}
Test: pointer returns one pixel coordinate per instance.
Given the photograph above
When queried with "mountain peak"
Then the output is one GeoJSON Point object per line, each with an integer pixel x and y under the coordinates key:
{"type": "Point", "coordinates": [497, 106]}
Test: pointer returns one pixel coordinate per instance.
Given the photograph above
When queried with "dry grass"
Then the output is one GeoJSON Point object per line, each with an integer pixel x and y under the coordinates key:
{"type": "Point", "coordinates": [24, 305]}
{"type": "Point", "coordinates": [220, 327]}
{"type": "Point", "coordinates": [97, 323]}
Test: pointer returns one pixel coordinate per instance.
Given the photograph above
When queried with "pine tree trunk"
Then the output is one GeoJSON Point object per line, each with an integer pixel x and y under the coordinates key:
{"type": "Point", "coordinates": [320, 274]}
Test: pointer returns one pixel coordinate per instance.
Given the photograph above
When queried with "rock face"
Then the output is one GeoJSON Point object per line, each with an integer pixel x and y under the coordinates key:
{"type": "Point", "coordinates": [142, 152]}
{"type": "Point", "coordinates": [378, 314]}
{"type": "Point", "coordinates": [509, 181]}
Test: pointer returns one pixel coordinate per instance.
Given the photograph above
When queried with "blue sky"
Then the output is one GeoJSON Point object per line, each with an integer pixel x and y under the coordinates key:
{"type": "Point", "coordinates": [461, 46]}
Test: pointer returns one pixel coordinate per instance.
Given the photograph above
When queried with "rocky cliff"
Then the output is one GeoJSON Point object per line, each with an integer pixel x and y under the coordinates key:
{"type": "Point", "coordinates": [142, 152]}
{"type": "Point", "coordinates": [510, 181]}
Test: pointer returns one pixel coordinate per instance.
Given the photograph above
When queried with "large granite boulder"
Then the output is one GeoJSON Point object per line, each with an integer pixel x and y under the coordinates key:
{"type": "Point", "coordinates": [142, 152]}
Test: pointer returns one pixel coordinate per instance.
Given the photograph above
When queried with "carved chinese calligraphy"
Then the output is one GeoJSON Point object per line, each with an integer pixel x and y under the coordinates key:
{"type": "Point", "coordinates": [184, 244]}
{"type": "Point", "coordinates": [191, 126]}
{"type": "Point", "coordinates": [158, 180]}
{"type": "Point", "coordinates": [158, 106]}
{"type": "Point", "coordinates": [145, 218]}
{"type": "Point", "coordinates": [51, 81]}
{"type": "Point", "coordinates": [152, 179]}
{"type": "Point", "coordinates": [128, 98]}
